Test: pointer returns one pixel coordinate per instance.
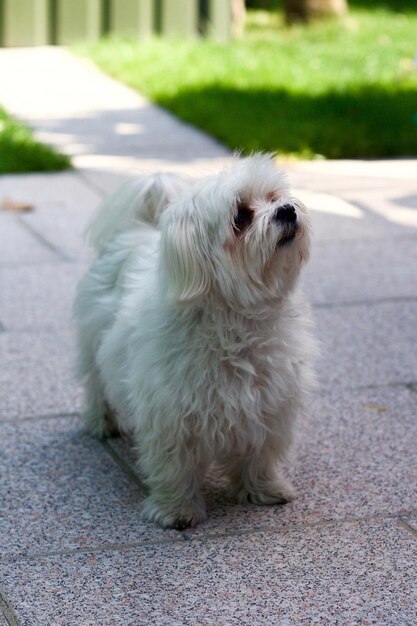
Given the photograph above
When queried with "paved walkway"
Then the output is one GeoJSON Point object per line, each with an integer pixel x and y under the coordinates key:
{"type": "Point", "coordinates": [72, 547]}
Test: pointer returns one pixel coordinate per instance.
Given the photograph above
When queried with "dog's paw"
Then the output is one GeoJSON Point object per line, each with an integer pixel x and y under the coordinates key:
{"type": "Point", "coordinates": [272, 493]}
{"type": "Point", "coordinates": [167, 515]}
{"type": "Point", "coordinates": [269, 497]}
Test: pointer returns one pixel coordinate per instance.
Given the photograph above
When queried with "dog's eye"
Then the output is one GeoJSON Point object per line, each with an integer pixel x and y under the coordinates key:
{"type": "Point", "coordinates": [243, 217]}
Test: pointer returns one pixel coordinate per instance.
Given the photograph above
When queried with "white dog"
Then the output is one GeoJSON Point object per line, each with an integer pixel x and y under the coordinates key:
{"type": "Point", "coordinates": [192, 335]}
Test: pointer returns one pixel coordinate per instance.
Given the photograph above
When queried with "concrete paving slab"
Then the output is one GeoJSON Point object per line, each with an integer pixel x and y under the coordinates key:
{"type": "Point", "coordinates": [356, 457]}
{"type": "Point", "coordinates": [396, 205]}
{"type": "Point", "coordinates": [125, 132]}
{"type": "Point", "coordinates": [380, 170]}
{"type": "Point", "coordinates": [411, 521]}
{"type": "Point", "coordinates": [40, 297]}
{"type": "Point", "coordinates": [101, 123]}
{"type": "Point", "coordinates": [73, 95]}
{"type": "Point", "coordinates": [106, 173]}
{"type": "Point", "coordinates": [338, 574]}
{"type": "Point", "coordinates": [367, 344]}
{"type": "Point", "coordinates": [6, 616]}
{"type": "Point", "coordinates": [86, 558]}
{"type": "Point", "coordinates": [358, 216]}
{"type": "Point", "coordinates": [107, 180]}
{"type": "Point", "coordinates": [20, 246]}
{"type": "Point", "coordinates": [353, 460]}
{"type": "Point", "coordinates": [62, 191]}
{"type": "Point", "coordinates": [372, 205]}
{"type": "Point", "coordinates": [64, 232]}
{"type": "Point", "coordinates": [362, 225]}
{"type": "Point", "coordinates": [61, 490]}
{"type": "Point", "coordinates": [37, 374]}
{"type": "Point", "coordinates": [63, 203]}
{"type": "Point", "coordinates": [361, 271]}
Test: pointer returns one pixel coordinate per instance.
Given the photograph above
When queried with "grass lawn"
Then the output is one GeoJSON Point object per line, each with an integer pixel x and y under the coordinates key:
{"type": "Point", "coordinates": [338, 89]}
{"type": "Point", "coordinates": [20, 153]}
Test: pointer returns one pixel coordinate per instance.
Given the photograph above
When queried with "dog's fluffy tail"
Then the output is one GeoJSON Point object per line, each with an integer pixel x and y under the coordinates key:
{"type": "Point", "coordinates": [142, 199]}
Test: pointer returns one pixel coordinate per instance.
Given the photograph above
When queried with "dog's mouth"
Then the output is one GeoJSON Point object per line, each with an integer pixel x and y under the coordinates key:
{"type": "Point", "coordinates": [287, 235]}
{"type": "Point", "coordinates": [285, 217]}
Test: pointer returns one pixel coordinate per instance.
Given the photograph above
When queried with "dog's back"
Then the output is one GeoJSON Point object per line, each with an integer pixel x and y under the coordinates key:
{"type": "Point", "coordinates": [138, 201]}
{"type": "Point", "coordinates": [124, 234]}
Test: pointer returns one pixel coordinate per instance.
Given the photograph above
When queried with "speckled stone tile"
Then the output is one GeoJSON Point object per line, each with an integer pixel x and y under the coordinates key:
{"type": "Point", "coordinates": [7, 615]}
{"type": "Point", "coordinates": [64, 230]}
{"type": "Point", "coordinates": [40, 297]}
{"type": "Point", "coordinates": [3, 621]}
{"type": "Point", "coordinates": [346, 222]}
{"type": "Point", "coordinates": [351, 216]}
{"type": "Point", "coordinates": [355, 458]}
{"type": "Point", "coordinates": [337, 574]}
{"type": "Point", "coordinates": [359, 205]}
{"type": "Point", "coordinates": [62, 203]}
{"type": "Point", "coordinates": [357, 455]}
{"type": "Point", "coordinates": [63, 191]}
{"type": "Point", "coordinates": [61, 489]}
{"type": "Point", "coordinates": [330, 174]}
{"type": "Point", "coordinates": [371, 344]}
{"type": "Point", "coordinates": [411, 520]}
{"type": "Point", "coordinates": [349, 271]}
{"type": "Point", "coordinates": [36, 376]}
{"type": "Point", "coordinates": [18, 245]}
{"type": "Point", "coordinates": [393, 207]}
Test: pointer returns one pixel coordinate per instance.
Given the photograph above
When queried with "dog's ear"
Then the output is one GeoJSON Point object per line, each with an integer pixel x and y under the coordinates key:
{"type": "Point", "coordinates": [184, 255]}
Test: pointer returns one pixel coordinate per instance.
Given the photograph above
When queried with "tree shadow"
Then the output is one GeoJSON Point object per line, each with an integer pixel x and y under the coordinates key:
{"type": "Point", "coordinates": [397, 6]}
{"type": "Point", "coordinates": [368, 122]}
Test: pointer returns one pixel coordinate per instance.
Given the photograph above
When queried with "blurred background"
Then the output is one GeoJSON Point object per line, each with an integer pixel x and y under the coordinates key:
{"type": "Point", "coordinates": [304, 78]}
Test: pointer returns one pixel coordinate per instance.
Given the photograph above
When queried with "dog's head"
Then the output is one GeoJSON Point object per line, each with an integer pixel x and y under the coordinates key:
{"type": "Point", "coordinates": [239, 236]}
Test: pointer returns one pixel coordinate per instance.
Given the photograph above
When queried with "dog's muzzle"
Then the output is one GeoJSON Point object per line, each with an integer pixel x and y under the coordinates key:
{"type": "Point", "coordinates": [286, 217]}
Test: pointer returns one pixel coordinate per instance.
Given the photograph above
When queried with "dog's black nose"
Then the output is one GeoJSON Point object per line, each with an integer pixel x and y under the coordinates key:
{"type": "Point", "coordinates": [285, 213]}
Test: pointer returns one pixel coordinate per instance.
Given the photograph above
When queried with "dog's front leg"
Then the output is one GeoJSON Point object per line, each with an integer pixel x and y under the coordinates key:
{"type": "Point", "coordinates": [173, 476]}
{"type": "Point", "coordinates": [252, 482]}
{"type": "Point", "coordinates": [258, 477]}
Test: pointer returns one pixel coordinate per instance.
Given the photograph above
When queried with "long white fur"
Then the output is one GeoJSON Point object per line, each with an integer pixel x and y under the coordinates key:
{"type": "Point", "coordinates": [194, 337]}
